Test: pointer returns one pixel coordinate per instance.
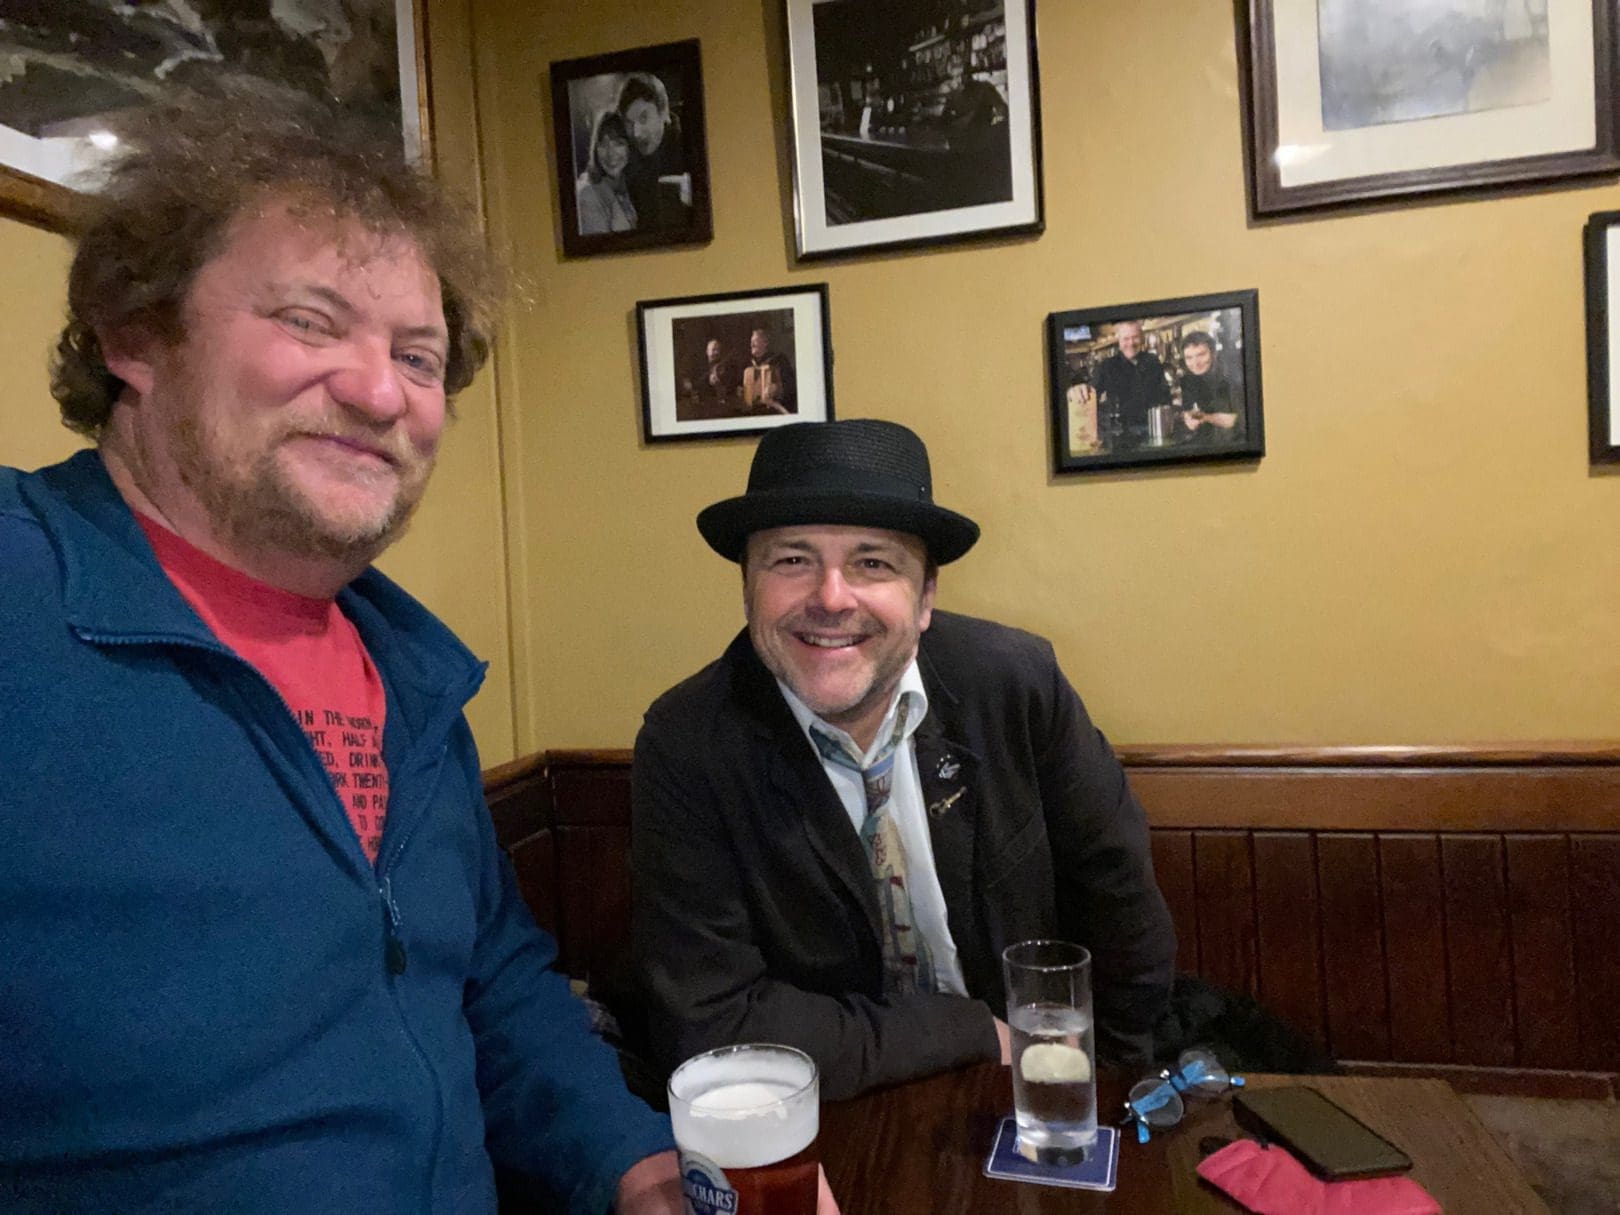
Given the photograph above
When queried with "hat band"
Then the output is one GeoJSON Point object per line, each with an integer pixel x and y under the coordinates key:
{"type": "Point", "coordinates": [837, 479]}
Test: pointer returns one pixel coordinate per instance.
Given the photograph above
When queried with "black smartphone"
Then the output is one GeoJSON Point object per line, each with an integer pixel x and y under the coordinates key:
{"type": "Point", "coordinates": [1328, 1140]}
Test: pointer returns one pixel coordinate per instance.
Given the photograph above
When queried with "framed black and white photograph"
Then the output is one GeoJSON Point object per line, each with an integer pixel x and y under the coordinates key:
{"type": "Point", "coordinates": [1351, 101]}
{"type": "Point", "coordinates": [1157, 382]}
{"type": "Point", "coordinates": [914, 122]}
{"type": "Point", "coordinates": [738, 363]}
{"type": "Point", "coordinates": [632, 162]}
{"type": "Point", "coordinates": [69, 70]}
{"type": "Point", "coordinates": [1603, 336]}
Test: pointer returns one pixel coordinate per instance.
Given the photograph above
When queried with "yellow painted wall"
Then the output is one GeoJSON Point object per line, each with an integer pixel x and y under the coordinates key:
{"type": "Point", "coordinates": [1422, 556]}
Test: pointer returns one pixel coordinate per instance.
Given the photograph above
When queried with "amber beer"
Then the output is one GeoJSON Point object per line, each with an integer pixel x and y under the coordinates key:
{"type": "Point", "coordinates": [746, 1119]}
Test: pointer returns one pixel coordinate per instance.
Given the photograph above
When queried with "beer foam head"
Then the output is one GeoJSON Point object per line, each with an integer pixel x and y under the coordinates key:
{"type": "Point", "coordinates": [745, 1107]}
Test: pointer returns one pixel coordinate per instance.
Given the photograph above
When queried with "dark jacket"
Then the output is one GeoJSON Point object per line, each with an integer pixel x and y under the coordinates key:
{"type": "Point", "coordinates": [1132, 388]}
{"type": "Point", "coordinates": [754, 916]}
{"type": "Point", "coordinates": [658, 205]}
{"type": "Point", "coordinates": [209, 998]}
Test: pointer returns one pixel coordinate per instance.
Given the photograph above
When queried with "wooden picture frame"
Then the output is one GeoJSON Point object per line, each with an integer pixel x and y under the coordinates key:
{"type": "Point", "coordinates": [1357, 101]}
{"type": "Point", "coordinates": [1158, 382]}
{"type": "Point", "coordinates": [736, 363]}
{"type": "Point", "coordinates": [912, 124]}
{"type": "Point", "coordinates": [83, 80]}
{"type": "Point", "coordinates": [632, 152]}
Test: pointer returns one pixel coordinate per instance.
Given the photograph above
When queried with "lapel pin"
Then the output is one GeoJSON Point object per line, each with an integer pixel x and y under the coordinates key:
{"type": "Point", "coordinates": [948, 767]}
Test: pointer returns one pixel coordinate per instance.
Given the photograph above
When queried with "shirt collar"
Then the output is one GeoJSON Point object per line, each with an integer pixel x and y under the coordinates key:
{"type": "Point", "coordinates": [911, 685]}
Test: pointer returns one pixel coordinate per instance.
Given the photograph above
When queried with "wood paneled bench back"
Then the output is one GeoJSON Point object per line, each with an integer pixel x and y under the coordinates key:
{"type": "Point", "coordinates": [1441, 907]}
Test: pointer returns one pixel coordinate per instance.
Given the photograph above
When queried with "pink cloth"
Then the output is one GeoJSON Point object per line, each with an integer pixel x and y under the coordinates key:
{"type": "Point", "coordinates": [1269, 1181]}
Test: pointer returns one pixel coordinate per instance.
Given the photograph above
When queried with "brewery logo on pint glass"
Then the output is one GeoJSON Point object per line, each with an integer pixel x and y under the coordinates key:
{"type": "Point", "coordinates": [745, 1119]}
{"type": "Point", "coordinates": [707, 1190]}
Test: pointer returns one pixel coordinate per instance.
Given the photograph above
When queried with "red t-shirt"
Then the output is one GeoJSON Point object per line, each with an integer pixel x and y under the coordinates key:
{"type": "Point", "coordinates": [312, 654]}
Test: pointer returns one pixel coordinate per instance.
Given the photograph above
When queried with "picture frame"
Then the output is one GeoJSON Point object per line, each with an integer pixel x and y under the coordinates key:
{"type": "Point", "coordinates": [1360, 101]}
{"type": "Point", "coordinates": [735, 363]}
{"type": "Point", "coordinates": [911, 127]}
{"type": "Point", "coordinates": [53, 114]}
{"type": "Point", "coordinates": [1601, 242]}
{"type": "Point", "coordinates": [1158, 382]}
{"type": "Point", "coordinates": [632, 151]}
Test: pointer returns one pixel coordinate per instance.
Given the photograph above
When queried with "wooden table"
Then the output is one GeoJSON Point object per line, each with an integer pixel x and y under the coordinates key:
{"type": "Point", "coordinates": [920, 1148]}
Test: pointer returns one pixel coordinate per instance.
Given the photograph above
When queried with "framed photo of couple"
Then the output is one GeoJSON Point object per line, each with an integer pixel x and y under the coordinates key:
{"type": "Point", "coordinates": [1158, 382]}
{"type": "Point", "coordinates": [71, 70]}
{"type": "Point", "coordinates": [738, 363]}
{"type": "Point", "coordinates": [632, 161]}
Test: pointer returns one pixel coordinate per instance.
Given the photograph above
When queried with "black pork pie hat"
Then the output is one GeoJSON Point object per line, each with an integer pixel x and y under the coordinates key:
{"type": "Point", "coordinates": [861, 472]}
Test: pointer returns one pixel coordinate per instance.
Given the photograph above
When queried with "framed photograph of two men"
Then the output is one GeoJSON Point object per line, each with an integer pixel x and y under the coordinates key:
{"type": "Point", "coordinates": [69, 69]}
{"type": "Point", "coordinates": [1351, 101]}
{"type": "Point", "coordinates": [914, 122]}
{"type": "Point", "coordinates": [736, 363]}
{"type": "Point", "coordinates": [1157, 382]}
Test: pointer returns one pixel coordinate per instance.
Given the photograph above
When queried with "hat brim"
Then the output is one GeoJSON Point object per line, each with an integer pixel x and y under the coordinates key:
{"type": "Point", "coordinates": [727, 525]}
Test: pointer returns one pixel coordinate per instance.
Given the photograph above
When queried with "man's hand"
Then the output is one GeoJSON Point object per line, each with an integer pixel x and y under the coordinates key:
{"type": "Point", "coordinates": [826, 1204]}
{"type": "Point", "coordinates": [652, 1187]}
{"type": "Point", "coordinates": [1004, 1036]}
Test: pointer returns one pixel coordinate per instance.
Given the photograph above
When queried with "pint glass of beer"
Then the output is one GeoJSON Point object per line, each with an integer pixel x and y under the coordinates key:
{"type": "Point", "coordinates": [746, 1119]}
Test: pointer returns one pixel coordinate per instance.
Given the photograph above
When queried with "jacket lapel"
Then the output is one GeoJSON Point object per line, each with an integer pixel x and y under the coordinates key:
{"type": "Point", "coordinates": [796, 775]}
{"type": "Point", "coordinates": [951, 775]}
{"type": "Point", "coordinates": [948, 773]}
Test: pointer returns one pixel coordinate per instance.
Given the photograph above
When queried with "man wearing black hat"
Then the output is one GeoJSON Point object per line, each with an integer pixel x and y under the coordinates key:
{"type": "Point", "coordinates": [840, 823]}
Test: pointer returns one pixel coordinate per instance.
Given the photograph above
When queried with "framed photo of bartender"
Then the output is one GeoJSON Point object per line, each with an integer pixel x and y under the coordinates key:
{"type": "Point", "coordinates": [1157, 382]}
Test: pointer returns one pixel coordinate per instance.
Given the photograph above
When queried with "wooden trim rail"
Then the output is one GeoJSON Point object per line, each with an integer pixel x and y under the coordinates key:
{"type": "Point", "coordinates": [1409, 907]}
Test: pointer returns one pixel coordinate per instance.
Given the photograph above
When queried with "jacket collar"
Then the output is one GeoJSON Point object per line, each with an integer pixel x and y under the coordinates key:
{"type": "Point", "coordinates": [114, 590]}
{"type": "Point", "coordinates": [948, 769]}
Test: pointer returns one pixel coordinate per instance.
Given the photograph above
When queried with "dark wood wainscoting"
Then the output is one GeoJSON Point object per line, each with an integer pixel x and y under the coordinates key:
{"type": "Point", "coordinates": [1453, 907]}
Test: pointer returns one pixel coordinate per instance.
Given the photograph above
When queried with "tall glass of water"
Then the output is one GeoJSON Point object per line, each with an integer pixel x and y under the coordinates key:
{"type": "Point", "coordinates": [1053, 1049]}
{"type": "Point", "coordinates": [746, 1119]}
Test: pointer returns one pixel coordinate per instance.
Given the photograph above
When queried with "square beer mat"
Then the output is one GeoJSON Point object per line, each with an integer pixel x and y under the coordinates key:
{"type": "Point", "coordinates": [1098, 1172]}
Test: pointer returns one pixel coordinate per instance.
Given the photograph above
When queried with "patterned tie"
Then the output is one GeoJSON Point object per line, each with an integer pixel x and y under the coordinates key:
{"type": "Point", "coordinates": [907, 967]}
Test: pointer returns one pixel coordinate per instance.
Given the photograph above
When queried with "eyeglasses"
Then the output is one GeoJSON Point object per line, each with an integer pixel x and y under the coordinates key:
{"type": "Point", "coordinates": [1157, 1101]}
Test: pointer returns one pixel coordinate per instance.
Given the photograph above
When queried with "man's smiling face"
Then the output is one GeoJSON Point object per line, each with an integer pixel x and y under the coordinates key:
{"type": "Point", "coordinates": [835, 613]}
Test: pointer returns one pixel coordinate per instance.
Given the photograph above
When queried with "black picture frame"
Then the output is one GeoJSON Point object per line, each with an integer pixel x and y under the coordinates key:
{"type": "Point", "coordinates": [1601, 243]}
{"type": "Point", "coordinates": [1317, 134]}
{"type": "Point", "coordinates": [83, 71]}
{"type": "Point", "coordinates": [653, 208]}
{"type": "Point", "coordinates": [1199, 350]}
{"type": "Point", "coordinates": [913, 124]}
{"type": "Point", "coordinates": [689, 390]}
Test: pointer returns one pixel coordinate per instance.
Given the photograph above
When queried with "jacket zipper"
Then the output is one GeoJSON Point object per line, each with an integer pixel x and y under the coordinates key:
{"type": "Point", "coordinates": [393, 947]}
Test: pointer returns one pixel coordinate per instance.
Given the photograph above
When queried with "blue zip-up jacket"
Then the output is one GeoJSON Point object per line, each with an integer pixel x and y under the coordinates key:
{"type": "Point", "coordinates": [210, 1001]}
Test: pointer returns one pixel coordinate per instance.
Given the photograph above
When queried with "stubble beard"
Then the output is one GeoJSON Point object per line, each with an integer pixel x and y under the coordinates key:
{"type": "Point", "coordinates": [256, 507]}
{"type": "Point", "coordinates": [885, 677]}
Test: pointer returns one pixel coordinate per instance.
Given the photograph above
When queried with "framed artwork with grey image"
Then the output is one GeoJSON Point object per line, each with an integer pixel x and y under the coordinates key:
{"type": "Point", "coordinates": [1353, 101]}
{"type": "Point", "coordinates": [1158, 382]}
{"type": "Point", "coordinates": [68, 71]}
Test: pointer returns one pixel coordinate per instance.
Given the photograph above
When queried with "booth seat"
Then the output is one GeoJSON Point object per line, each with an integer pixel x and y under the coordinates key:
{"type": "Point", "coordinates": [1449, 910]}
